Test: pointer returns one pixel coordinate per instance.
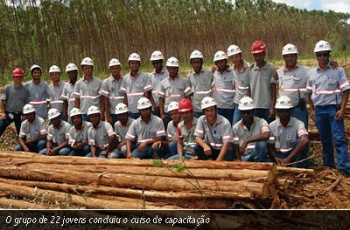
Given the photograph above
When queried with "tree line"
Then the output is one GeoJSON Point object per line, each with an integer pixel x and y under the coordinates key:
{"type": "Point", "coordinates": [50, 32]}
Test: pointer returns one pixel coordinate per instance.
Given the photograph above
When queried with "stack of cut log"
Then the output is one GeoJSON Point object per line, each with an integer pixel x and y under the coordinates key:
{"type": "Point", "coordinates": [32, 181]}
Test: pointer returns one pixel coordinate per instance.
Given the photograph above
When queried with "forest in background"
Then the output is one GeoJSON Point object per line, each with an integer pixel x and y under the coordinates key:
{"type": "Point", "coordinates": [48, 32]}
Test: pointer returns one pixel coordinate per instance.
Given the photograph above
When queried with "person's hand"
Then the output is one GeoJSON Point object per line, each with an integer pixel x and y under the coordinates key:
{"type": "Point", "coordinates": [272, 114]}
{"type": "Point", "coordinates": [2, 116]}
{"type": "Point", "coordinates": [243, 147]}
{"type": "Point", "coordinates": [156, 144]}
{"type": "Point", "coordinates": [207, 150]}
{"type": "Point", "coordinates": [339, 115]}
{"type": "Point", "coordinates": [163, 116]}
{"type": "Point", "coordinates": [142, 147]}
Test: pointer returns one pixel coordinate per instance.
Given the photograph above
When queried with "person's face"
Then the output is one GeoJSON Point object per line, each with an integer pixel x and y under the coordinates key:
{"type": "Point", "coordinates": [259, 57]}
{"type": "Point", "coordinates": [236, 58]}
{"type": "Point", "coordinates": [145, 113]}
{"type": "Point", "coordinates": [284, 114]}
{"type": "Point", "coordinates": [175, 116]}
{"type": "Point", "coordinates": [115, 70]}
{"type": "Point", "coordinates": [72, 74]}
{"type": "Point", "coordinates": [56, 121]}
{"type": "Point", "coordinates": [323, 57]}
{"type": "Point", "coordinates": [77, 120]}
{"type": "Point", "coordinates": [17, 80]}
{"type": "Point", "coordinates": [246, 115]}
{"type": "Point", "coordinates": [290, 60]}
{"type": "Point", "coordinates": [36, 74]}
{"type": "Point", "coordinates": [30, 117]}
{"type": "Point", "coordinates": [221, 64]}
{"type": "Point", "coordinates": [196, 64]}
{"type": "Point", "coordinates": [172, 71]}
{"type": "Point", "coordinates": [94, 118]}
{"type": "Point", "coordinates": [134, 65]}
{"type": "Point", "coordinates": [123, 117]}
{"type": "Point", "coordinates": [186, 116]}
{"type": "Point", "coordinates": [210, 113]}
{"type": "Point", "coordinates": [158, 65]}
{"type": "Point", "coordinates": [87, 70]}
{"type": "Point", "coordinates": [55, 76]}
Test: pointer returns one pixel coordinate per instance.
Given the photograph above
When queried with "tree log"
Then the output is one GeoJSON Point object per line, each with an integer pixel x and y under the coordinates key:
{"type": "Point", "coordinates": [136, 181]}
{"type": "Point", "coordinates": [11, 203]}
{"type": "Point", "coordinates": [93, 203]}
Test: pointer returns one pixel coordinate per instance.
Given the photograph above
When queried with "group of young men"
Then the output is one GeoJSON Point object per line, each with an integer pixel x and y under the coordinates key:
{"type": "Point", "coordinates": [227, 113]}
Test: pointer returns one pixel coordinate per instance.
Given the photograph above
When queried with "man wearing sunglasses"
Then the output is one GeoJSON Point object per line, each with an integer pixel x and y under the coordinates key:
{"type": "Point", "coordinates": [250, 134]}
{"type": "Point", "coordinates": [328, 92]}
{"type": "Point", "coordinates": [289, 138]}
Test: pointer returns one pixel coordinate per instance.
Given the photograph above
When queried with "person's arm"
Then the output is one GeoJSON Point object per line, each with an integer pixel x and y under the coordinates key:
{"type": "Point", "coordinates": [93, 150]}
{"type": "Point", "coordinates": [161, 108]}
{"type": "Point", "coordinates": [102, 103]}
{"type": "Point", "coordinates": [41, 137]}
{"type": "Point", "coordinates": [112, 144]}
{"type": "Point", "coordinates": [143, 145]}
{"type": "Point", "coordinates": [180, 147]}
{"type": "Point", "coordinates": [59, 147]}
{"type": "Point", "coordinates": [22, 143]}
{"type": "Point", "coordinates": [272, 113]}
{"type": "Point", "coordinates": [65, 110]}
{"type": "Point", "coordinates": [107, 109]}
{"type": "Point", "coordinates": [237, 152]}
{"type": "Point", "coordinates": [304, 142]}
{"type": "Point", "coordinates": [223, 151]}
{"type": "Point", "coordinates": [77, 102]}
{"type": "Point", "coordinates": [261, 137]}
{"type": "Point", "coordinates": [340, 113]}
{"type": "Point", "coordinates": [312, 108]}
{"type": "Point", "coordinates": [206, 148]}
{"type": "Point", "coordinates": [128, 149]}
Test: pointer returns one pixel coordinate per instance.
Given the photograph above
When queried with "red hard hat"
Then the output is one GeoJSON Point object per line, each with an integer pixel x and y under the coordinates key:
{"type": "Point", "coordinates": [18, 72]}
{"type": "Point", "coordinates": [185, 105]}
{"type": "Point", "coordinates": [258, 47]}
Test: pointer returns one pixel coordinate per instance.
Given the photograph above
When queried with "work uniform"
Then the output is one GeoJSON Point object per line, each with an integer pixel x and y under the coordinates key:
{"type": "Point", "coordinates": [55, 92]}
{"type": "Point", "coordinates": [201, 85]}
{"type": "Point", "coordinates": [172, 133]}
{"type": "Point", "coordinates": [31, 131]}
{"type": "Point", "coordinates": [15, 98]}
{"type": "Point", "coordinates": [327, 88]}
{"type": "Point", "coordinates": [287, 138]}
{"type": "Point", "coordinates": [111, 90]}
{"type": "Point", "coordinates": [260, 81]}
{"type": "Point", "coordinates": [292, 83]}
{"type": "Point", "coordinates": [68, 95]}
{"type": "Point", "coordinates": [156, 79]}
{"type": "Point", "coordinates": [141, 131]}
{"type": "Point", "coordinates": [79, 136]}
{"type": "Point", "coordinates": [224, 93]}
{"type": "Point", "coordinates": [57, 137]}
{"type": "Point", "coordinates": [135, 87]}
{"type": "Point", "coordinates": [88, 93]}
{"type": "Point", "coordinates": [214, 136]}
{"type": "Point", "coordinates": [38, 95]}
{"type": "Point", "coordinates": [99, 137]}
{"type": "Point", "coordinates": [255, 151]}
{"type": "Point", "coordinates": [121, 131]}
{"type": "Point", "coordinates": [241, 83]}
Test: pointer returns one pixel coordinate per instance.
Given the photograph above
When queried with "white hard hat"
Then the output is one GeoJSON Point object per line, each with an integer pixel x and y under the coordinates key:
{"type": "Point", "coordinates": [156, 55]}
{"type": "Point", "coordinates": [220, 55]}
{"type": "Point", "coordinates": [134, 57]}
{"type": "Point", "coordinates": [35, 67]}
{"type": "Point", "coordinates": [53, 113]}
{"type": "Point", "coordinates": [173, 106]}
{"type": "Point", "coordinates": [172, 62]}
{"type": "Point", "coordinates": [74, 112]}
{"type": "Point", "coordinates": [208, 102]}
{"type": "Point", "coordinates": [196, 54]}
{"type": "Point", "coordinates": [232, 50]}
{"type": "Point", "coordinates": [87, 61]}
{"type": "Point", "coordinates": [71, 67]}
{"type": "Point", "coordinates": [93, 110]}
{"type": "Point", "coordinates": [143, 103]}
{"type": "Point", "coordinates": [113, 62]}
{"type": "Point", "coordinates": [322, 46]}
{"type": "Point", "coordinates": [284, 102]}
{"type": "Point", "coordinates": [28, 108]}
{"type": "Point", "coordinates": [289, 49]}
{"type": "Point", "coordinates": [54, 69]}
{"type": "Point", "coordinates": [121, 108]}
{"type": "Point", "coordinates": [246, 103]}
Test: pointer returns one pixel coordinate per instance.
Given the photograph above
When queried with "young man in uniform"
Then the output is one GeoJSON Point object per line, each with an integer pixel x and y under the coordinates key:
{"type": "Point", "coordinates": [213, 134]}
{"type": "Point", "coordinates": [262, 83]}
{"type": "Point", "coordinates": [135, 85]}
{"type": "Point", "coordinates": [57, 135]}
{"type": "Point", "coordinates": [78, 134]}
{"type": "Point", "coordinates": [289, 138]}
{"type": "Point", "coordinates": [250, 134]}
{"type": "Point", "coordinates": [38, 91]}
{"type": "Point", "coordinates": [110, 91]}
{"type": "Point", "coordinates": [201, 81]}
{"type": "Point", "coordinates": [67, 93]}
{"type": "Point", "coordinates": [144, 131]}
{"type": "Point", "coordinates": [86, 90]}
{"type": "Point", "coordinates": [32, 135]}
{"type": "Point", "coordinates": [159, 73]}
{"type": "Point", "coordinates": [101, 136]}
{"type": "Point", "coordinates": [224, 86]}
{"type": "Point", "coordinates": [55, 89]}
{"type": "Point", "coordinates": [173, 110]}
{"type": "Point", "coordinates": [328, 93]}
{"type": "Point", "coordinates": [14, 97]}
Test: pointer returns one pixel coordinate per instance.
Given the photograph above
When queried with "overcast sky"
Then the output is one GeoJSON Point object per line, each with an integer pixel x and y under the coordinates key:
{"type": "Point", "coordinates": [325, 5]}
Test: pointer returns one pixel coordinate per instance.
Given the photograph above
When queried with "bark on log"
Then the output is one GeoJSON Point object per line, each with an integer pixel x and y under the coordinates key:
{"type": "Point", "coordinates": [93, 203]}
{"type": "Point", "coordinates": [219, 174]}
{"type": "Point", "coordinates": [21, 204]}
{"type": "Point", "coordinates": [289, 170]}
{"type": "Point", "coordinates": [136, 181]}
